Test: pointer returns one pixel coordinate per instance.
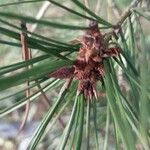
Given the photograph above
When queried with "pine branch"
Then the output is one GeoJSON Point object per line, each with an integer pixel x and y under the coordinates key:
{"type": "Point", "coordinates": [127, 12]}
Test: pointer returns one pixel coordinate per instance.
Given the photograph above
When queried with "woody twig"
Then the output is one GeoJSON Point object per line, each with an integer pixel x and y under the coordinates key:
{"type": "Point", "coordinates": [26, 55]}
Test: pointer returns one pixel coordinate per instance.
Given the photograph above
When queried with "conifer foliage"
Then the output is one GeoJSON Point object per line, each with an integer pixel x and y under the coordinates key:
{"type": "Point", "coordinates": [95, 53]}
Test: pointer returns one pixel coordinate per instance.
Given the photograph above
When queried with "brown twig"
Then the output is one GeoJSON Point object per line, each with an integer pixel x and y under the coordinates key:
{"type": "Point", "coordinates": [26, 55]}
